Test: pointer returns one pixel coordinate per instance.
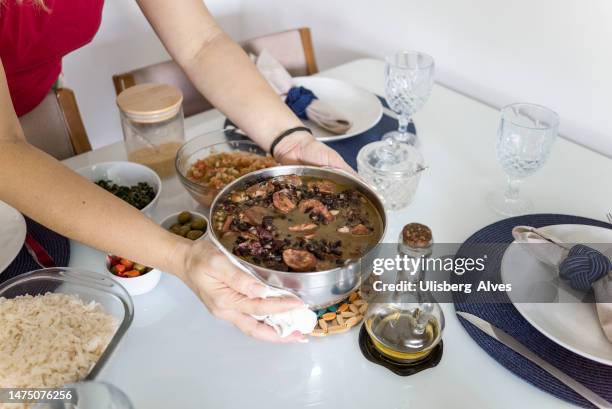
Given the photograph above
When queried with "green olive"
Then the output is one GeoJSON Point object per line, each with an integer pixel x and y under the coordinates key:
{"type": "Point", "coordinates": [184, 230]}
{"type": "Point", "coordinates": [194, 234]}
{"type": "Point", "coordinates": [184, 217]}
{"type": "Point", "coordinates": [198, 224]}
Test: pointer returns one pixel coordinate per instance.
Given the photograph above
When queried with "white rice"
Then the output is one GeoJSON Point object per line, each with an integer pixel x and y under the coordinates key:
{"type": "Point", "coordinates": [50, 340]}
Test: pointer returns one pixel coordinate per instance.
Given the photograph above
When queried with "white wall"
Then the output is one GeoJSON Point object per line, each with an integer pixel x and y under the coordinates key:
{"type": "Point", "coordinates": [125, 41]}
{"type": "Point", "coordinates": [553, 52]}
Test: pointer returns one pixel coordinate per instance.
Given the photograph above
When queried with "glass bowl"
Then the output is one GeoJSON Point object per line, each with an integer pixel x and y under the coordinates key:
{"type": "Point", "coordinates": [89, 286]}
{"type": "Point", "coordinates": [200, 148]}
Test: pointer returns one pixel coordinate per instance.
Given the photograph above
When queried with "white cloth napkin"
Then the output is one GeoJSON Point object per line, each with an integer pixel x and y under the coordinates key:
{"type": "Point", "coordinates": [550, 250]}
{"type": "Point", "coordinates": [319, 112]}
{"type": "Point", "coordinates": [301, 319]}
{"type": "Point", "coordinates": [285, 323]}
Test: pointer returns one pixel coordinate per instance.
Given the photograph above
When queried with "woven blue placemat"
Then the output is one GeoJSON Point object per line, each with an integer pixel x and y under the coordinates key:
{"type": "Point", "coordinates": [499, 311]}
{"type": "Point", "coordinates": [56, 245]}
{"type": "Point", "coordinates": [349, 147]}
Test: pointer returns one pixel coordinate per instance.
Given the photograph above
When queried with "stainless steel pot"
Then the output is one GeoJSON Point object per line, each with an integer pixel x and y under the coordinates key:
{"type": "Point", "coordinates": [318, 289]}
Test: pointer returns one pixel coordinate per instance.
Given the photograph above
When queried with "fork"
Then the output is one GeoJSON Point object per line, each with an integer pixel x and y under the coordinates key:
{"type": "Point", "coordinates": [609, 216]}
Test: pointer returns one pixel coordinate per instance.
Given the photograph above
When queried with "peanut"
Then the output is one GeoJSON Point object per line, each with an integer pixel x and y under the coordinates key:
{"type": "Point", "coordinates": [340, 320]}
{"type": "Point", "coordinates": [352, 321]}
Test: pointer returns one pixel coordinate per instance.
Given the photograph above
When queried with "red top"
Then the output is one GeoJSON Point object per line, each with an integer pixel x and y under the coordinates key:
{"type": "Point", "coordinates": [33, 42]}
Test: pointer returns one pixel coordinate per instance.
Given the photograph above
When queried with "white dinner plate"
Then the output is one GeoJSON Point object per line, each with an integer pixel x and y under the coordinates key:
{"type": "Point", "coordinates": [570, 324]}
{"type": "Point", "coordinates": [361, 107]}
{"type": "Point", "coordinates": [12, 234]}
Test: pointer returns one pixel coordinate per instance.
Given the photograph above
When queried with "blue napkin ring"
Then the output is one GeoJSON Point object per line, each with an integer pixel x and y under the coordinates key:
{"type": "Point", "coordinates": [298, 99]}
{"type": "Point", "coordinates": [583, 266]}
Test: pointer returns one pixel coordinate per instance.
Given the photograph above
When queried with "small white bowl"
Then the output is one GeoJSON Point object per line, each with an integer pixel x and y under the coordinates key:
{"type": "Point", "coordinates": [136, 285]}
{"type": "Point", "coordinates": [172, 219]}
{"type": "Point", "coordinates": [126, 174]}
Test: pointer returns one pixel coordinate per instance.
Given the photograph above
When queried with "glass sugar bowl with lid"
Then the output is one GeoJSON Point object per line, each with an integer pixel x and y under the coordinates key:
{"type": "Point", "coordinates": [152, 122]}
{"type": "Point", "coordinates": [393, 169]}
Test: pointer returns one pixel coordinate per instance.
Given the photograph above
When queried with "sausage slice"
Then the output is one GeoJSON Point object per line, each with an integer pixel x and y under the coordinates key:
{"type": "Point", "coordinates": [360, 230]}
{"type": "Point", "coordinates": [299, 260]}
{"type": "Point", "coordinates": [315, 206]}
{"type": "Point", "coordinates": [254, 215]}
{"type": "Point", "coordinates": [282, 201]}
{"type": "Point", "coordinates": [259, 190]}
{"type": "Point", "coordinates": [324, 186]}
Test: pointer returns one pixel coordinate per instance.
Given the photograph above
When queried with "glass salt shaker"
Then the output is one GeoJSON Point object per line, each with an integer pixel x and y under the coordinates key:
{"type": "Point", "coordinates": [152, 122]}
{"type": "Point", "coordinates": [408, 327]}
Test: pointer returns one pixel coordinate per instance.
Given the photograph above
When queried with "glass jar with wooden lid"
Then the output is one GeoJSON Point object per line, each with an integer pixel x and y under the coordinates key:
{"type": "Point", "coordinates": [152, 122]}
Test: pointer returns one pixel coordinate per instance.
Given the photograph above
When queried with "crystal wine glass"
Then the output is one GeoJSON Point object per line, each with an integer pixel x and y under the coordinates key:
{"type": "Point", "coordinates": [408, 82]}
{"type": "Point", "coordinates": [524, 141]}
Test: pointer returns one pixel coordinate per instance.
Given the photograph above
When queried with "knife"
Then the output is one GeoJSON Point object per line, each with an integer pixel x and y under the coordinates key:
{"type": "Point", "coordinates": [520, 349]}
{"type": "Point", "coordinates": [38, 252]}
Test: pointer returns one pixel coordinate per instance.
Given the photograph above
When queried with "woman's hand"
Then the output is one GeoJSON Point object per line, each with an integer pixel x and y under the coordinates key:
{"type": "Point", "coordinates": [303, 148]}
{"type": "Point", "coordinates": [231, 294]}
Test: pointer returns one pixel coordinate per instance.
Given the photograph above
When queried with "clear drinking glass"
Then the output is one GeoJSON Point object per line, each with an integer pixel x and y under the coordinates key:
{"type": "Point", "coordinates": [408, 82]}
{"type": "Point", "coordinates": [524, 141]}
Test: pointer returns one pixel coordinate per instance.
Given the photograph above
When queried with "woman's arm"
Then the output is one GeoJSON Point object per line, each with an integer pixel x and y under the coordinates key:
{"type": "Point", "coordinates": [50, 193]}
{"type": "Point", "coordinates": [47, 191]}
{"type": "Point", "coordinates": [222, 71]}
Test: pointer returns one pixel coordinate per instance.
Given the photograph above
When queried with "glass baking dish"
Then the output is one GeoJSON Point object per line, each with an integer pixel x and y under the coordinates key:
{"type": "Point", "coordinates": [88, 286]}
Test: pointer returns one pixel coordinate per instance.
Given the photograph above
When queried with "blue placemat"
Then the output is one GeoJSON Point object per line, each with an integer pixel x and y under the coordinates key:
{"type": "Point", "coordinates": [56, 245]}
{"type": "Point", "coordinates": [498, 310]}
{"type": "Point", "coordinates": [349, 147]}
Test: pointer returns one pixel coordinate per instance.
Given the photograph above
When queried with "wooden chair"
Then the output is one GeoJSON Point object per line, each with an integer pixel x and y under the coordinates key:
{"type": "Point", "coordinates": [55, 125]}
{"type": "Point", "coordinates": [292, 48]}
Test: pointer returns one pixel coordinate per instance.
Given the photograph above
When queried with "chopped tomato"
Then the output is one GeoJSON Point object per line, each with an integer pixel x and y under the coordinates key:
{"type": "Point", "coordinates": [132, 273]}
{"type": "Point", "coordinates": [119, 268]}
{"type": "Point", "coordinates": [127, 263]}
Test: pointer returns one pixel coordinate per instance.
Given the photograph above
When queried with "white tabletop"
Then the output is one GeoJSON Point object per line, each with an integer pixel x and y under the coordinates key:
{"type": "Point", "coordinates": [176, 355]}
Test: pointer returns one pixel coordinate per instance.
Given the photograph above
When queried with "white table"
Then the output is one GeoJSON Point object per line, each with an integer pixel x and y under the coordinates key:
{"type": "Point", "coordinates": [176, 355]}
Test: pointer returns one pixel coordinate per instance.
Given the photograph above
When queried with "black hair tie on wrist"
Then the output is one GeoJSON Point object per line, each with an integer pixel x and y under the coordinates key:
{"type": "Point", "coordinates": [286, 133]}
